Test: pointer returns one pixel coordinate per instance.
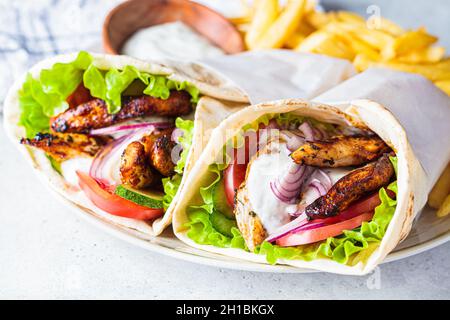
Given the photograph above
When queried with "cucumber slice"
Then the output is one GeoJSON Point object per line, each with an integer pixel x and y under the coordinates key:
{"type": "Point", "coordinates": [146, 198]}
{"type": "Point", "coordinates": [221, 223]}
{"type": "Point", "coordinates": [220, 200]}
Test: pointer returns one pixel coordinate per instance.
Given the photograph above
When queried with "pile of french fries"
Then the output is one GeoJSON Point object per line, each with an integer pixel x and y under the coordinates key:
{"type": "Point", "coordinates": [297, 25]}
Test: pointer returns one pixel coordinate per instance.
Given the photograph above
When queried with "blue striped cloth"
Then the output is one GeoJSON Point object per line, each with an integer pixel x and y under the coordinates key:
{"type": "Point", "coordinates": [31, 30]}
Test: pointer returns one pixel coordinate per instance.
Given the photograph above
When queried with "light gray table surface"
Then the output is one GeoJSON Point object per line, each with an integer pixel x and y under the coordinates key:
{"type": "Point", "coordinates": [46, 251]}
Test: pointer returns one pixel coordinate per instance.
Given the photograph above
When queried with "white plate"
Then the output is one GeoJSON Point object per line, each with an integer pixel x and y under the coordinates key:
{"type": "Point", "coordinates": [427, 233]}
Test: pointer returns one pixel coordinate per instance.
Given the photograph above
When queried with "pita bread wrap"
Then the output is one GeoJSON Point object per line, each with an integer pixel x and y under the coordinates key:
{"type": "Point", "coordinates": [209, 83]}
{"type": "Point", "coordinates": [390, 121]}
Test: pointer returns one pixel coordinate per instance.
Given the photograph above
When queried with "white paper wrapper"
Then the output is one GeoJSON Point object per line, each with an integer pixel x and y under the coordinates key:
{"type": "Point", "coordinates": [279, 74]}
{"type": "Point", "coordinates": [422, 109]}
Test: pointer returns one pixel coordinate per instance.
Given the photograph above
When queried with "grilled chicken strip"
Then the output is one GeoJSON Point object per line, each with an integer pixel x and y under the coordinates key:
{"type": "Point", "coordinates": [160, 148]}
{"type": "Point", "coordinates": [248, 222]}
{"type": "Point", "coordinates": [143, 162]}
{"type": "Point", "coordinates": [340, 151]}
{"type": "Point", "coordinates": [352, 187]}
{"type": "Point", "coordinates": [62, 146]}
{"type": "Point", "coordinates": [135, 169]}
{"type": "Point", "coordinates": [94, 114]}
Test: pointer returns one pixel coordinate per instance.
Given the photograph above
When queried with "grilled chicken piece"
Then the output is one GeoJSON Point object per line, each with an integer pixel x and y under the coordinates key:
{"type": "Point", "coordinates": [143, 162]}
{"type": "Point", "coordinates": [160, 146]}
{"type": "Point", "coordinates": [62, 146]}
{"type": "Point", "coordinates": [340, 151]}
{"type": "Point", "coordinates": [248, 222]}
{"type": "Point", "coordinates": [135, 169]}
{"type": "Point", "coordinates": [94, 114]}
{"type": "Point", "coordinates": [352, 187]}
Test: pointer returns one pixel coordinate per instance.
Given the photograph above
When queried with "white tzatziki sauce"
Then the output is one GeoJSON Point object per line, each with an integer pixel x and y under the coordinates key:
{"type": "Point", "coordinates": [173, 40]}
{"type": "Point", "coordinates": [274, 162]}
{"type": "Point", "coordinates": [264, 169]}
{"type": "Point", "coordinates": [69, 168]}
{"type": "Point", "coordinates": [310, 194]}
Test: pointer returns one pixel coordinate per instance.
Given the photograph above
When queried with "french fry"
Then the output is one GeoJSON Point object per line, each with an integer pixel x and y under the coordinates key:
{"type": "Point", "coordinates": [295, 40]}
{"type": "Point", "coordinates": [383, 24]}
{"type": "Point", "coordinates": [323, 42]}
{"type": "Point", "coordinates": [444, 210]}
{"type": "Point", "coordinates": [350, 18]}
{"type": "Point", "coordinates": [380, 40]}
{"type": "Point", "coordinates": [435, 72]}
{"type": "Point", "coordinates": [303, 30]}
{"type": "Point", "coordinates": [440, 190]}
{"type": "Point", "coordinates": [284, 26]}
{"type": "Point", "coordinates": [427, 55]}
{"type": "Point", "coordinates": [310, 6]}
{"type": "Point", "coordinates": [376, 39]}
{"type": "Point", "coordinates": [413, 40]}
{"type": "Point", "coordinates": [444, 85]}
{"type": "Point", "coordinates": [358, 46]}
{"type": "Point", "coordinates": [266, 13]}
{"type": "Point", "coordinates": [319, 19]}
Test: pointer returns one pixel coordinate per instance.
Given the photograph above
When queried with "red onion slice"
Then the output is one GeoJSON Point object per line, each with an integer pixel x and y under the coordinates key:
{"type": "Point", "coordinates": [114, 148]}
{"type": "Point", "coordinates": [176, 134]}
{"type": "Point", "coordinates": [307, 130]}
{"type": "Point", "coordinates": [324, 179]}
{"type": "Point", "coordinates": [288, 190]}
{"type": "Point", "coordinates": [128, 127]}
{"type": "Point", "coordinates": [300, 209]}
{"type": "Point", "coordinates": [287, 228]}
{"type": "Point", "coordinates": [319, 187]}
{"type": "Point", "coordinates": [281, 196]}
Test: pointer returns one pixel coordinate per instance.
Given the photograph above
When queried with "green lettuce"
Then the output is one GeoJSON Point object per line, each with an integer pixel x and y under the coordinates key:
{"type": "Point", "coordinates": [286, 119]}
{"type": "Point", "coordinates": [207, 225]}
{"type": "Point", "coordinates": [109, 85]}
{"type": "Point", "coordinates": [44, 97]}
{"type": "Point", "coordinates": [171, 184]}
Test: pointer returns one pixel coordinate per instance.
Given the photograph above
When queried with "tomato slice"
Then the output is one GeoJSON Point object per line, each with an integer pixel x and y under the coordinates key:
{"type": "Point", "coordinates": [112, 203]}
{"type": "Point", "coordinates": [234, 174]}
{"type": "Point", "coordinates": [79, 96]}
{"type": "Point", "coordinates": [367, 204]}
{"type": "Point", "coordinates": [321, 229]}
{"type": "Point", "coordinates": [233, 177]}
{"type": "Point", "coordinates": [324, 232]}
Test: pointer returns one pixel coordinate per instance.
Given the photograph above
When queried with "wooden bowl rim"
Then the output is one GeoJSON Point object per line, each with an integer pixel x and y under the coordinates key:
{"type": "Point", "coordinates": [107, 46]}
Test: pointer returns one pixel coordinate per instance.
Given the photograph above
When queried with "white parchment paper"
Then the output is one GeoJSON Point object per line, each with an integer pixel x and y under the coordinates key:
{"type": "Point", "coordinates": [278, 74]}
{"type": "Point", "coordinates": [421, 108]}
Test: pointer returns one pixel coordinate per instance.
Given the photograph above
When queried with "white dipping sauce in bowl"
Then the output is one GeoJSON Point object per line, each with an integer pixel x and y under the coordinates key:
{"type": "Point", "coordinates": [173, 40]}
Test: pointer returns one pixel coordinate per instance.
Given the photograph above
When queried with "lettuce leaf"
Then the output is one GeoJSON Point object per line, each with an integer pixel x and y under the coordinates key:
{"type": "Point", "coordinates": [205, 222]}
{"type": "Point", "coordinates": [285, 120]}
{"type": "Point", "coordinates": [44, 97]}
{"type": "Point", "coordinates": [185, 141]}
{"type": "Point", "coordinates": [171, 184]}
{"type": "Point", "coordinates": [109, 85]}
